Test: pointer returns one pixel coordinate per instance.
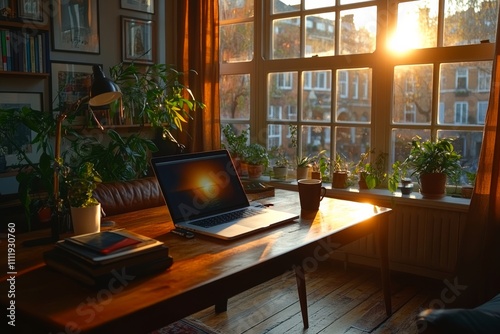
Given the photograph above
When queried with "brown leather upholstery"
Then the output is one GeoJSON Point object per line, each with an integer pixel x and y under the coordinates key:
{"type": "Point", "coordinates": [127, 196]}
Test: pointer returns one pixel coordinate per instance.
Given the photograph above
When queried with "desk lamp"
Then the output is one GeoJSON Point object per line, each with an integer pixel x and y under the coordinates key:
{"type": "Point", "coordinates": [103, 91]}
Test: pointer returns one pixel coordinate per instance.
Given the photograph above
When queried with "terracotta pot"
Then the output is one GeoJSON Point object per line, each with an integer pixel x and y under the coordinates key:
{"type": "Point", "coordinates": [316, 175]}
{"type": "Point", "coordinates": [302, 173]}
{"type": "Point", "coordinates": [255, 171]}
{"type": "Point", "coordinates": [339, 179]}
{"type": "Point", "coordinates": [433, 185]}
{"type": "Point", "coordinates": [362, 181]}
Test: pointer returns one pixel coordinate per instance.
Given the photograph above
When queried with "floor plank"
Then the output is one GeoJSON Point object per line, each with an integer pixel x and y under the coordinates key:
{"type": "Point", "coordinates": [340, 300]}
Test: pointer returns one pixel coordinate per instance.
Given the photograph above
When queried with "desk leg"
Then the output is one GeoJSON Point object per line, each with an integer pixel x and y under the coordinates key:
{"type": "Point", "coordinates": [383, 241]}
{"type": "Point", "coordinates": [221, 306]}
{"type": "Point", "coordinates": [301, 287]}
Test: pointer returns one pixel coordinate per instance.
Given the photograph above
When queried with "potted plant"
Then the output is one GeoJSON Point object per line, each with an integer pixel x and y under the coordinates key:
{"type": "Point", "coordinates": [320, 164]}
{"type": "Point", "coordinates": [85, 209]}
{"type": "Point", "coordinates": [281, 163]}
{"type": "Point", "coordinates": [236, 145]}
{"type": "Point", "coordinates": [370, 174]}
{"type": "Point", "coordinates": [340, 172]}
{"type": "Point", "coordinates": [468, 189]}
{"type": "Point", "coordinates": [155, 94]}
{"type": "Point", "coordinates": [433, 162]}
{"type": "Point", "coordinates": [399, 178]}
{"type": "Point", "coordinates": [257, 159]}
{"type": "Point", "coordinates": [302, 163]}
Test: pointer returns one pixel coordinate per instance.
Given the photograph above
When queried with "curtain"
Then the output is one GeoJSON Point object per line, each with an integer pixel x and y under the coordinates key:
{"type": "Point", "coordinates": [198, 50]}
{"type": "Point", "coordinates": [478, 272]}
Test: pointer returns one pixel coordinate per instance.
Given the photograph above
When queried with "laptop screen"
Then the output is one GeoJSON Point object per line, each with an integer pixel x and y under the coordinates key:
{"type": "Point", "coordinates": [199, 184]}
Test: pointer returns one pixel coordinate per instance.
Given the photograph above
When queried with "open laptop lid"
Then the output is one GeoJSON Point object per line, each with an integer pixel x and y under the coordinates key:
{"type": "Point", "coordinates": [197, 185]}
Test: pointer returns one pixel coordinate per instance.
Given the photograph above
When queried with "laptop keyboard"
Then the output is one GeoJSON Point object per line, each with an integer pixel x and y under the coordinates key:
{"type": "Point", "coordinates": [226, 217]}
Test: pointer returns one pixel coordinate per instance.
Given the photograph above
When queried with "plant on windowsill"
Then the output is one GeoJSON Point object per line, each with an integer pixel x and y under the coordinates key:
{"type": "Point", "coordinates": [433, 162]}
{"type": "Point", "coordinates": [371, 175]}
{"type": "Point", "coordinates": [340, 172]}
{"type": "Point", "coordinates": [236, 145]}
{"type": "Point", "coordinates": [281, 163]}
{"type": "Point", "coordinates": [302, 164]}
{"type": "Point", "coordinates": [321, 166]}
{"type": "Point", "coordinates": [256, 157]}
{"type": "Point", "coordinates": [399, 179]}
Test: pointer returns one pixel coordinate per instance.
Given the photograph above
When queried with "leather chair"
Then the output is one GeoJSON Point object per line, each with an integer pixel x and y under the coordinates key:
{"type": "Point", "coordinates": [483, 319]}
{"type": "Point", "coordinates": [126, 196]}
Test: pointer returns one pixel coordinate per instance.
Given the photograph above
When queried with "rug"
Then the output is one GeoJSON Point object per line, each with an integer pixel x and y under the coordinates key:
{"type": "Point", "coordinates": [186, 326]}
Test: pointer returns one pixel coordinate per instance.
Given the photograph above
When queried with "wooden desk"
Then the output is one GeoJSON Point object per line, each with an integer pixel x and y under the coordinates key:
{"type": "Point", "coordinates": [205, 272]}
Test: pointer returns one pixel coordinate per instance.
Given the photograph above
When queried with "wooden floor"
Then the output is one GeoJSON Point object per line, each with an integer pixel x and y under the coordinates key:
{"type": "Point", "coordinates": [340, 300]}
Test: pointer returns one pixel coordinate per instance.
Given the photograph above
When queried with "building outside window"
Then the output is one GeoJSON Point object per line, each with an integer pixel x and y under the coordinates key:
{"type": "Point", "coordinates": [358, 74]}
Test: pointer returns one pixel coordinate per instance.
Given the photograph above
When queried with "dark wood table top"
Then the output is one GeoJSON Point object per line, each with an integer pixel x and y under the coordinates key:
{"type": "Point", "coordinates": [47, 298]}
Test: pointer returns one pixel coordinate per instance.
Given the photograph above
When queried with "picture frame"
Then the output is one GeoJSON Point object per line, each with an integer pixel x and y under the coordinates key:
{"type": "Point", "coordinates": [146, 6]}
{"type": "Point", "coordinates": [14, 100]}
{"type": "Point", "coordinates": [75, 26]}
{"type": "Point", "coordinates": [137, 40]}
{"type": "Point", "coordinates": [30, 10]}
{"type": "Point", "coordinates": [71, 82]}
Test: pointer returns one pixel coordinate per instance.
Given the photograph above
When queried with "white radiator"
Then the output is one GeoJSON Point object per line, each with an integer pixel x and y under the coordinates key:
{"type": "Point", "coordinates": [422, 241]}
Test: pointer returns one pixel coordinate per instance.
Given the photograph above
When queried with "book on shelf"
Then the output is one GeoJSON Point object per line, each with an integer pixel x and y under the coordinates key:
{"type": "Point", "coordinates": [95, 258]}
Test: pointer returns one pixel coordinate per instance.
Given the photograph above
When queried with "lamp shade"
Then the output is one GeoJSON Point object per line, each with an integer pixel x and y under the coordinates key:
{"type": "Point", "coordinates": [103, 91]}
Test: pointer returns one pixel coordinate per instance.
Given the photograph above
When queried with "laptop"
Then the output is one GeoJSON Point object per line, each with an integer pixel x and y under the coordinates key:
{"type": "Point", "coordinates": [204, 195]}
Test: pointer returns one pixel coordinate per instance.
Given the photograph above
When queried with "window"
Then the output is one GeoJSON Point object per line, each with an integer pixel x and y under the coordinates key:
{"type": "Point", "coordinates": [352, 78]}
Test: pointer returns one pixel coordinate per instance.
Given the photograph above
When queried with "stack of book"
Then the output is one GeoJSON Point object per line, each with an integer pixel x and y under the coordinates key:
{"type": "Point", "coordinates": [97, 258]}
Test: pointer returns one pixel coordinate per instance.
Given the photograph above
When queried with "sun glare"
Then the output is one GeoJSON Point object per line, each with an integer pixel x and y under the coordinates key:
{"type": "Point", "coordinates": [407, 35]}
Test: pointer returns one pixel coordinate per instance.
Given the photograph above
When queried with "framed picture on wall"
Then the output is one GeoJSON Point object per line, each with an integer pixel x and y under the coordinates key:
{"type": "Point", "coordinates": [137, 40]}
{"type": "Point", "coordinates": [30, 9]}
{"type": "Point", "coordinates": [75, 26]}
{"type": "Point", "coordinates": [147, 6]}
{"type": "Point", "coordinates": [23, 135]}
{"type": "Point", "coordinates": [70, 83]}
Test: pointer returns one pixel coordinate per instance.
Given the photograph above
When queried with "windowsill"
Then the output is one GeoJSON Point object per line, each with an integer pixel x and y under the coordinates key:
{"type": "Point", "coordinates": [384, 197]}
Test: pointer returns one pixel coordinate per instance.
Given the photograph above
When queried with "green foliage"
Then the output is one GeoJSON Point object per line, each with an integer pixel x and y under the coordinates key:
{"type": "Point", "coordinates": [235, 144]}
{"type": "Point", "coordinates": [322, 163]}
{"type": "Point", "coordinates": [121, 159]}
{"type": "Point", "coordinates": [427, 157]}
{"type": "Point", "coordinates": [155, 94]}
{"type": "Point", "coordinates": [256, 154]}
{"type": "Point", "coordinates": [373, 173]}
{"type": "Point", "coordinates": [434, 157]}
{"type": "Point", "coordinates": [279, 157]}
{"type": "Point", "coordinates": [81, 183]}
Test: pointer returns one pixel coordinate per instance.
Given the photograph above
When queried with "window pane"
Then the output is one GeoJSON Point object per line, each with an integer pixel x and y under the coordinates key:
{"type": "Point", "coordinates": [354, 95]}
{"type": "Point", "coordinates": [236, 42]}
{"type": "Point", "coordinates": [358, 29]}
{"type": "Point", "coordinates": [282, 96]}
{"type": "Point", "coordinates": [311, 4]}
{"type": "Point", "coordinates": [464, 92]}
{"type": "Point", "coordinates": [279, 137]}
{"type": "Point", "coordinates": [469, 22]}
{"type": "Point", "coordinates": [315, 139]}
{"type": "Point", "coordinates": [284, 6]}
{"type": "Point", "coordinates": [235, 9]}
{"type": "Point", "coordinates": [350, 142]}
{"type": "Point", "coordinates": [412, 94]}
{"type": "Point", "coordinates": [235, 96]}
{"type": "Point", "coordinates": [320, 35]}
{"type": "Point", "coordinates": [468, 145]}
{"type": "Point", "coordinates": [286, 38]}
{"type": "Point", "coordinates": [317, 95]}
{"type": "Point", "coordinates": [416, 26]}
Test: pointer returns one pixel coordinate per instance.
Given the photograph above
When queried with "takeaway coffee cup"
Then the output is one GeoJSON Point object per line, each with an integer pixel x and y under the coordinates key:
{"type": "Point", "coordinates": [310, 193]}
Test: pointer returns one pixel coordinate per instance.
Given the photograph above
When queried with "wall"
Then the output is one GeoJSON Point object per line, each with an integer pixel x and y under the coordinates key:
{"type": "Point", "coordinates": [110, 54]}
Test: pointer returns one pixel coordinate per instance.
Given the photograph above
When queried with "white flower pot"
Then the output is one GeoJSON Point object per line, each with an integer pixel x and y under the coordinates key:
{"type": "Point", "coordinates": [86, 220]}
